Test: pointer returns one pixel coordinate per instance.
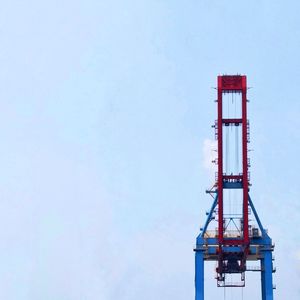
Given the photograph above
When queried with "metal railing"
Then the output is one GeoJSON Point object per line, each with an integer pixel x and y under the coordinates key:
{"type": "Point", "coordinates": [230, 234]}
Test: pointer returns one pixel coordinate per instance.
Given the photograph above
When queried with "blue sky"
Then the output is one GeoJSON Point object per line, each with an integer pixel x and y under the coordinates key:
{"type": "Point", "coordinates": [105, 110]}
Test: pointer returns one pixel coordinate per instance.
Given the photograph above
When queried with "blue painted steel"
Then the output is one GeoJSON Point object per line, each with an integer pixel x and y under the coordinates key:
{"type": "Point", "coordinates": [266, 275]}
{"type": "Point", "coordinates": [263, 231]}
{"type": "Point", "coordinates": [232, 185]}
{"type": "Point", "coordinates": [199, 278]}
{"type": "Point", "coordinates": [260, 246]}
{"type": "Point", "coordinates": [209, 218]}
{"type": "Point", "coordinates": [199, 255]}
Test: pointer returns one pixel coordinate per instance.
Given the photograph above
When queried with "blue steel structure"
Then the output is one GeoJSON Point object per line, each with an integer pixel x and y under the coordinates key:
{"type": "Point", "coordinates": [237, 239]}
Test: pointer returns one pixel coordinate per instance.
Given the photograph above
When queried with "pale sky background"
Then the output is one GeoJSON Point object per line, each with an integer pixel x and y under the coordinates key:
{"type": "Point", "coordinates": [105, 115]}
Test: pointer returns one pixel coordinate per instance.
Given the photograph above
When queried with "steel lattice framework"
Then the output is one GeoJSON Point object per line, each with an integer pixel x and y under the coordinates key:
{"type": "Point", "coordinates": [234, 241]}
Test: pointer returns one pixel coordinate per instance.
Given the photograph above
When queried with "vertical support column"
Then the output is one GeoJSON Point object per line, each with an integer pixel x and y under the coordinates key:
{"type": "Point", "coordinates": [266, 275]}
{"type": "Point", "coordinates": [220, 161]}
{"type": "Point", "coordinates": [245, 160]}
{"type": "Point", "coordinates": [199, 275]}
{"type": "Point", "coordinates": [263, 285]}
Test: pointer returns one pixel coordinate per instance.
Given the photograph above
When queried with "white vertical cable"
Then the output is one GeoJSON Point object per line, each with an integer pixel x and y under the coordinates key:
{"type": "Point", "coordinates": [236, 149]}
{"type": "Point", "coordinates": [226, 147]}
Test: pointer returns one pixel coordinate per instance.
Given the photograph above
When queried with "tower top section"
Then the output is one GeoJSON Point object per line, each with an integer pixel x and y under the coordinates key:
{"type": "Point", "coordinates": [232, 83]}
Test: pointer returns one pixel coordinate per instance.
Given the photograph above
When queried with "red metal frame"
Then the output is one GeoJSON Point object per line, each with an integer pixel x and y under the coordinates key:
{"type": "Point", "coordinates": [220, 161]}
{"type": "Point", "coordinates": [232, 84]}
{"type": "Point", "coordinates": [232, 121]}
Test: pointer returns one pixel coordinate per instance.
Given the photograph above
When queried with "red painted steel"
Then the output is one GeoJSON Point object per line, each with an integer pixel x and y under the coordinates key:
{"type": "Point", "coordinates": [220, 161]}
{"type": "Point", "coordinates": [232, 84]}
{"type": "Point", "coordinates": [245, 161]}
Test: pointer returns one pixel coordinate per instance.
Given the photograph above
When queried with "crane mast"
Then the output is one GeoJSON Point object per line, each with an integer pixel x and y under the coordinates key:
{"type": "Point", "coordinates": [234, 240]}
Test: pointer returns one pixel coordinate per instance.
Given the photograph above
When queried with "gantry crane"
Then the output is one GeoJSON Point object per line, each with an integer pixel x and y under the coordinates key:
{"type": "Point", "coordinates": [235, 239]}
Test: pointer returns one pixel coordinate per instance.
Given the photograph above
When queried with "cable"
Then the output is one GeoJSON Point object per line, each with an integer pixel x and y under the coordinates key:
{"type": "Point", "coordinates": [230, 207]}
{"type": "Point", "coordinates": [227, 148]}
{"type": "Point", "coordinates": [228, 116]}
{"type": "Point", "coordinates": [237, 149]}
{"type": "Point", "coordinates": [235, 105]}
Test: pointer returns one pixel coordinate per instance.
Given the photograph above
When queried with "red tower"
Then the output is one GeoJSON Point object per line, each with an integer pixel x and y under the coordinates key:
{"type": "Point", "coordinates": [228, 177]}
{"type": "Point", "coordinates": [235, 239]}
